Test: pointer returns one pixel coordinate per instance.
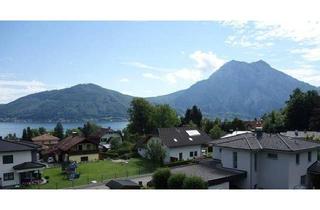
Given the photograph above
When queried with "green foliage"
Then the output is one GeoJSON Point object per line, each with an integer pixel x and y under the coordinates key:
{"type": "Point", "coordinates": [207, 125]}
{"type": "Point", "coordinates": [238, 125]}
{"type": "Point", "coordinates": [58, 131]}
{"type": "Point", "coordinates": [111, 154]}
{"type": "Point", "coordinates": [164, 117]}
{"type": "Point", "coordinates": [115, 143]}
{"type": "Point", "coordinates": [194, 114]}
{"type": "Point", "coordinates": [42, 130]}
{"type": "Point", "coordinates": [175, 181]}
{"type": "Point", "coordinates": [194, 182]}
{"type": "Point", "coordinates": [160, 178]}
{"type": "Point", "coordinates": [11, 137]}
{"type": "Point", "coordinates": [89, 128]}
{"type": "Point", "coordinates": [178, 163]}
{"type": "Point", "coordinates": [216, 132]}
{"type": "Point", "coordinates": [73, 130]}
{"type": "Point", "coordinates": [274, 122]}
{"type": "Point", "coordinates": [155, 151]}
{"type": "Point", "coordinates": [24, 134]}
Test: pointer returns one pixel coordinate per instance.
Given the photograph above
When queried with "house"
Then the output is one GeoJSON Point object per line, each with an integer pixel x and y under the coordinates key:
{"type": "Point", "coordinates": [19, 163]}
{"type": "Point", "coordinates": [302, 134]}
{"type": "Point", "coordinates": [46, 141]}
{"type": "Point", "coordinates": [272, 161]}
{"type": "Point", "coordinates": [181, 143]}
{"type": "Point", "coordinates": [75, 148]}
{"type": "Point", "coordinates": [104, 136]}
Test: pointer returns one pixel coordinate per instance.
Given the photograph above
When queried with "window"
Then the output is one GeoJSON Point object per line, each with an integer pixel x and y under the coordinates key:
{"type": "Point", "coordinates": [7, 159]}
{"type": "Point", "coordinates": [80, 147]}
{"type": "Point", "coordinates": [220, 150]}
{"type": "Point", "coordinates": [191, 154]}
{"type": "Point", "coordinates": [84, 159]}
{"type": "Point", "coordinates": [88, 146]}
{"type": "Point", "coordinates": [235, 160]}
{"type": "Point", "coordinates": [273, 156]}
{"type": "Point", "coordinates": [309, 156]}
{"type": "Point", "coordinates": [297, 159]}
{"type": "Point", "coordinates": [180, 156]}
{"type": "Point", "coordinates": [255, 161]}
{"type": "Point", "coordinates": [303, 180]}
{"type": "Point", "coordinates": [195, 153]}
{"type": "Point", "coordinates": [8, 176]}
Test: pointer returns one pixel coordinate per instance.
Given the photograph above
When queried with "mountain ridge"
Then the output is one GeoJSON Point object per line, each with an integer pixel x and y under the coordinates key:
{"type": "Point", "coordinates": [242, 89]}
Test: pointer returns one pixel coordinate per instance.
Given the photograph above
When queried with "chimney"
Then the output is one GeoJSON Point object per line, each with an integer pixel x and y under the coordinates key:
{"type": "Point", "coordinates": [296, 133]}
{"type": "Point", "coordinates": [259, 132]}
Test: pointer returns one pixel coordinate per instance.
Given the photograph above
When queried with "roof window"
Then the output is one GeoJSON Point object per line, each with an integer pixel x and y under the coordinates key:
{"type": "Point", "coordinates": [193, 132]}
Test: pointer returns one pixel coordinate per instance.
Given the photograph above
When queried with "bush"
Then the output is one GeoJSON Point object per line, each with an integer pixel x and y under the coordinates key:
{"type": "Point", "coordinates": [160, 178]}
{"type": "Point", "coordinates": [115, 143]}
{"type": "Point", "coordinates": [111, 154]}
{"type": "Point", "coordinates": [175, 181]}
{"type": "Point", "coordinates": [194, 182]}
{"type": "Point", "coordinates": [47, 177]}
{"type": "Point", "coordinates": [126, 156]}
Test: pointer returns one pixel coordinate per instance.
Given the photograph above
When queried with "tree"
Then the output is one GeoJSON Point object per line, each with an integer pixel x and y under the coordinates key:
{"type": "Point", "coordinates": [89, 128]}
{"type": "Point", "coordinates": [42, 130]}
{"type": "Point", "coordinates": [24, 134]}
{"type": "Point", "coordinates": [115, 143]}
{"type": "Point", "coordinates": [216, 132]}
{"type": "Point", "coordinates": [160, 178]}
{"type": "Point", "coordinates": [274, 122]}
{"type": "Point", "coordinates": [29, 134]}
{"type": "Point", "coordinates": [207, 125]}
{"type": "Point", "coordinates": [164, 117]}
{"type": "Point", "coordinates": [175, 181]}
{"type": "Point", "coordinates": [238, 125]}
{"type": "Point", "coordinates": [194, 114]}
{"type": "Point", "coordinates": [69, 132]}
{"type": "Point", "coordinates": [140, 116]}
{"type": "Point", "coordinates": [11, 137]}
{"type": "Point", "coordinates": [59, 131]}
{"type": "Point", "coordinates": [194, 182]}
{"type": "Point", "coordinates": [155, 151]}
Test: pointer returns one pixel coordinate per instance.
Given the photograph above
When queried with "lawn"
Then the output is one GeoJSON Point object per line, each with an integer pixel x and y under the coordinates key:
{"type": "Point", "coordinates": [98, 171]}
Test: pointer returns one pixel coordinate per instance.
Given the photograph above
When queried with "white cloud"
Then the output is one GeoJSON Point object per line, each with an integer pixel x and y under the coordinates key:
{"type": "Point", "coordinates": [263, 34]}
{"type": "Point", "coordinates": [124, 80]}
{"type": "Point", "coordinates": [11, 90]}
{"type": "Point", "coordinates": [204, 63]}
{"type": "Point", "coordinates": [305, 73]}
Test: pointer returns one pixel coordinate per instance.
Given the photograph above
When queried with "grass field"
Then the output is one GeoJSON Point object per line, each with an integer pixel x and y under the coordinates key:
{"type": "Point", "coordinates": [98, 171]}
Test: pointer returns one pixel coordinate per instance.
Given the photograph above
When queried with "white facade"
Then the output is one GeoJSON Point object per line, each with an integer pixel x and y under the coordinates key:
{"type": "Point", "coordinates": [183, 153]}
{"type": "Point", "coordinates": [18, 158]}
{"type": "Point", "coordinates": [276, 171]}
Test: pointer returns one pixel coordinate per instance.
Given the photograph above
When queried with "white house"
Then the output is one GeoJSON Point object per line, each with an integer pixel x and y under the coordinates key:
{"type": "Point", "coordinates": [181, 143]}
{"type": "Point", "coordinates": [272, 161]}
{"type": "Point", "coordinates": [18, 163]}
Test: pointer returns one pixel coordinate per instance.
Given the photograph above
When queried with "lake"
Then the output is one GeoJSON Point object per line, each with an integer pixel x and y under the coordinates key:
{"type": "Point", "coordinates": [15, 127]}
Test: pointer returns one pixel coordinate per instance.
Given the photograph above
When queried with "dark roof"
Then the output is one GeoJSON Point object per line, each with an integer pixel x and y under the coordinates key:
{"type": "Point", "coordinates": [96, 136]}
{"type": "Point", "coordinates": [122, 184]}
{"type": "Point", "coordinates": [249, 141]}
{"type": "Point", "coordinates": [66, 143]}
{"type": "Point", "coordinates": [314, 168]}
{"type": "Point", "coordinates": [28, 165]}
{"type": "Point", "coordinates": [177, 137]}
{"type": "Point", "coordinates": [45, 137]}
{"type": "Point", "coordinates": [210, 172]}
{"type": "Point", "coordinates": [11, 146]}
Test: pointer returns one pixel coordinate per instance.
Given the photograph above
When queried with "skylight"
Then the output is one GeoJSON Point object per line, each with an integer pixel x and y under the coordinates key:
{"type": "Point", "coordinates": [175, 140]}
{"type": "Point", "coordinates": [190, 139]}
{"type": "Point", "coordinates": [193, 132]}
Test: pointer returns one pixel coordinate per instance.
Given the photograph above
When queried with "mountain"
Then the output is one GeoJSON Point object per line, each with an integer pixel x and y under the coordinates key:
{"type": "Point", "coordinates": [245, 90]}
{"type": "Point", "coordinates": [80, 102]}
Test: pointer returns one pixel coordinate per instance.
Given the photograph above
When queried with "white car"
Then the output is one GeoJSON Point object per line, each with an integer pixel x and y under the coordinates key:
{"type": "Point", "coordinates": [50, 160]}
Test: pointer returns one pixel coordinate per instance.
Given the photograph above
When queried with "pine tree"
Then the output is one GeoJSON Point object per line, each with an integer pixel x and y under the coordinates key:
{"type": "Point", "coordinates": [24, 134]}
{"type": "Point", "coordinates": [59, 131]}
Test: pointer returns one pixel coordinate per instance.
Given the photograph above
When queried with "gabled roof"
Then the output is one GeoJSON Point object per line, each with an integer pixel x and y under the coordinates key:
{"type": "Point", "coordinates": [266, 142]}
{"type": "Point", "coordinates": [12, 146]}
{"type": "Point", "coordinates": [66, 143]}
{"type": "Point", "coordinates": [45, 137]}
{"type": "Point", "coordinates": [182, 136]}
{"type": "Point", "coordinates": [28, 165]}
{"type": "Point", "coordinates": [301, 134]}
{"type": "Point", "coordinates": [314, 168]}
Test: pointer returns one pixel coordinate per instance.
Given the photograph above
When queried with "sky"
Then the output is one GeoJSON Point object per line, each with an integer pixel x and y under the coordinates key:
{"type": "Point", "coordinates": [147, 58]}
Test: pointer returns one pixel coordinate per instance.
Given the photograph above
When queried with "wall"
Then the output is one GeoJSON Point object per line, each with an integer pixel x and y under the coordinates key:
{"type": "Point", "coordinates": [245, 162]}
{"type": "Point", "coordinates": [216, 153]}
{"type": "Point", "coordinates": [296, 171]}
{"type": "Point", "coordinates": [18, 158]}
{"type": "Point", "coordinates": [174, 152]}
{"type": "Point", "coordinates": [273, 173]}
{"type": "Point", "coordinates": [77, 158]}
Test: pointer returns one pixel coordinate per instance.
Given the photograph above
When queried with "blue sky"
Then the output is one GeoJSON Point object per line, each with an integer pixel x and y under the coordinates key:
{"type": "Point", "coordinates": [146, 58]}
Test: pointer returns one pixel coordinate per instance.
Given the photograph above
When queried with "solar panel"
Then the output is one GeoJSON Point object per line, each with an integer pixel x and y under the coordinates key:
{"type": "Point", "coordinates": [193, 132]}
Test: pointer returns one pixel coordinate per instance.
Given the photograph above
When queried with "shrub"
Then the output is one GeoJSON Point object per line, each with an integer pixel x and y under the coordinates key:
{"type": "Point", "coordinates": [175, 181]}
{"type": "Point", "coordinates": [111, 154]}
{"type": "Point", "coordinates": [126, 156]}
{"type": "Point", "coordinates": [47, 177]}
{"type": "Point", "coordinates": [194, 182]}
{"type": "Point", "coordinates": [178, 163]}
{"type": "Point", "coordinates": [115, 143]}
{"type": "Point", "coordinates": [160, 178]}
